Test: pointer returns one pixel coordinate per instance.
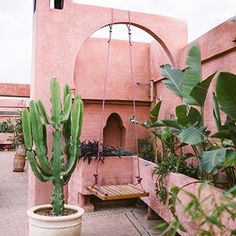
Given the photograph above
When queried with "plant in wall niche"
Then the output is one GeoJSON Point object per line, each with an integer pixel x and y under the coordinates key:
{"type": "Point", "coordinates": [66, 124]}
{"type": "Point", "coordinates": [90, 149]}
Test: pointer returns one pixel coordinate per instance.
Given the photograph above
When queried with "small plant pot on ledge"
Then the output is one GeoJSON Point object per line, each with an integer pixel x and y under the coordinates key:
{"type": "Point", "coordinates": [19, 159]}
{"type": "Point", "coordinates": [42, 225]}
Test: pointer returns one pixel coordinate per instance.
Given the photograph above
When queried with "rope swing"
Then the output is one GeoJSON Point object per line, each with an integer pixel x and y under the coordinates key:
{"type": "Point", "coordinates": [112, 192]}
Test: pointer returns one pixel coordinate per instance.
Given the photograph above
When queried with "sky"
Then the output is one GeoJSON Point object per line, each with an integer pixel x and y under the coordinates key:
{"type": "Point", "coordinates": [16, 26]}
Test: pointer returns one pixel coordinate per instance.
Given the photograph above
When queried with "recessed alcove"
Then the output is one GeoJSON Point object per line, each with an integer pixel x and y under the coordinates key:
{"type": "Point", "coordinates": [114, 131]}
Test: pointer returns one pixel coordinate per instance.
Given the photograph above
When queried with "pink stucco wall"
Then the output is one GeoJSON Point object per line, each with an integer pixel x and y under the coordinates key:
{"type": "Point", "coordinates": [91, 65]}
{"type": "Point", "coordinates": [92, 119]}
{"type": "Point", "coordinates": [218, 52]}
{"type": "Point", "coordinates": [63, 49]}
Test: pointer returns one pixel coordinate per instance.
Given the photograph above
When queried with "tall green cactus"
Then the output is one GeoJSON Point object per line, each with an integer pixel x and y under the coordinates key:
{"type": "Point", "coordinates": [67, 122]}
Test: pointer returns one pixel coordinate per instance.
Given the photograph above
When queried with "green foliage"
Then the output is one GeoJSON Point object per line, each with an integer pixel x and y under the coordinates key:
{"type": "Point", "coordinates": [67, 122]}
{"type": "Point", "coordinates": [174, 164]}
{"type": "Point", "coordinates": [226, 93]}
{"type": "Point", "coordinates": [211, 160]}
{"type": "Point", "coordinates": [7, 126]}
{"type": "Point", "coordinates": [89, 150]}
{"type": "Point", "coordinates": [145, 149]}
{"type": "Point", "coordinates": [192, 73]}
{"type": "Point", "coordinates": [17, 137]}
{"type": "Point", "coordinates": [210, 214]}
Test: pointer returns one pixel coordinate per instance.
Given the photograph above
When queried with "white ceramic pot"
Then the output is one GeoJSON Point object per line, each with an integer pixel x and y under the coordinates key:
{"type": "Point", "coordinates": [40, 225]}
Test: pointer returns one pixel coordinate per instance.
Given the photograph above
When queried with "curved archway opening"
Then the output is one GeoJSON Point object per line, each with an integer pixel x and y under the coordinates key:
{"type": "Point", "coordinates": [114, 132]}
{"type": "Point", "coordinates": [96, 29]}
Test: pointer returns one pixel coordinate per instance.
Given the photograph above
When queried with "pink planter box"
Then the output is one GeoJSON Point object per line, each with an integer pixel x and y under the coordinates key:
{"type": "Point", "coordinates": [175, 179]}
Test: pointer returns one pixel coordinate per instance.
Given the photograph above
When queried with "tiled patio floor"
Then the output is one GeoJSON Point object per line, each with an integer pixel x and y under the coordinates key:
{"type": "Point", "coordinates": [13, 198]}
{"type": "Point", "coordinates": [107, 221]}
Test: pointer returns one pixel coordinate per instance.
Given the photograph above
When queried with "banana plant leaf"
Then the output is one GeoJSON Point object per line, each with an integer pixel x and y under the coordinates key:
{"type": "Point", "coordinates": [211, 160]}
{"type": "Point", "coordinates": [222, 134]}
{"type": "Point", "coordinates": [192, 135]}
{"type": "Point", "coordinates": [192, 74]}
{"type": "Point", "coordinates": [187, 116]}
{"type": "Point", "coordinates": [155, 112]}
{"type": "Point", "coordinates": [181, 112]}
{"type": "Point", "coordinates": [230, 159]}
{"type": "Point", "coordinates": [174, 79]}
{"type": "Point", "coordinates": [226, 93]}
{"type": "Point", "coordinates": [216, 113]}
{"type": "Point", "coordinates": [200, 90]}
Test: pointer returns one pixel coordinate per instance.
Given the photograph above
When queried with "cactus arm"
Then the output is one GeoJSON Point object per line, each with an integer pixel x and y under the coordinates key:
{"type": "Point", "coordinates": [75, 127]}
{"type": "Point", "coordinates": [67, 108]}
{"type": "Point", "coordinates": [38, 136]}
{"type": "Point", "coordinates": [81, 115]}
{"type": "Point", "coordinates": [35, 167]}
{"type": "Point", "coordinates": [75, 120]}
{"type": "Point", "coordinates": [56, 103]}
{"type": "Point", "coordinates": [25, 115]}
{"type": "Point", "coordinates": [66, 91]}
{"type": "Point", "coordinates": [43, 113]}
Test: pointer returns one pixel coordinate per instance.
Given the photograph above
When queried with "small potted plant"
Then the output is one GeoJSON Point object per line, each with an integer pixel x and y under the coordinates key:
{"type": "Point", "coordinates": [65, 126]}
{"type": "Point", "coordinates": [17, 142]}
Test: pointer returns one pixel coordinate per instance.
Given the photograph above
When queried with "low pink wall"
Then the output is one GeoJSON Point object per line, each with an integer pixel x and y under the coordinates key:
{"type": "Point", "coordinates": [176, 179]}
{"type": "Point", "coordinates": [4, 138]}
{"type": "Point", "coordinates": [115, 170]}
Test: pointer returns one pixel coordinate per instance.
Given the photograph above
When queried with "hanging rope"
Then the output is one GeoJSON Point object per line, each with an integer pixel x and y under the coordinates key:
{"type": "Point", "coordinates": [138, 177]}
{"type": "Point", "coordinates": [103, 101]}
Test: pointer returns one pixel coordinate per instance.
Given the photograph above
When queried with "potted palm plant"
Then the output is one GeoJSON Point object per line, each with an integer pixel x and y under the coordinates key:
{"type": "Point", "coordinates": [64, 126]}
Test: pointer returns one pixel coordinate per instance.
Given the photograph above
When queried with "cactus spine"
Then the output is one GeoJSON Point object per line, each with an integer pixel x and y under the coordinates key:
{"type": "Point", "coordinates": [65, 122]}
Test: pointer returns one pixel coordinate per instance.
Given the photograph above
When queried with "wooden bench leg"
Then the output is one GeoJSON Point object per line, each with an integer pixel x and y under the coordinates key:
{"type": "Point", "coordinates": [152, 215]}
{"type": "Point", "coordinates": [84, 202]}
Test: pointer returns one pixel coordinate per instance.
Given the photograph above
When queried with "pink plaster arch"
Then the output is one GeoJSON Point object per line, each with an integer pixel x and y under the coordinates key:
{"type": "Point", "coordinates": [158, 39]}
{"type": "Point", "coordinates": [59, 35]}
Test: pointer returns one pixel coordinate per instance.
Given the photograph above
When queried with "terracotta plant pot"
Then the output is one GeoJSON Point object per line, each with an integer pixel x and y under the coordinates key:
{"type": "Point", "coordinates": [19, 159]}
{"type": "Point", "coordinates": [19, 163]}
{"type": "Point", "coordinates": [69, 225]}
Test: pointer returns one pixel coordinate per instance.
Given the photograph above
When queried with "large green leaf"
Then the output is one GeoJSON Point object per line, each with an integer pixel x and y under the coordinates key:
{"type": "Point", "coordinates": [226, 93]}
{"type": "Point", "coordinates": [192, 135]}
{"type": "Point", "coordinates": [200, 90]}
{"type": "Point", "coordinates": [192, 74]}
{"type": "Point", "coordinates": [211, 160]}
{"type": "Point", "coordinates": [155, 112]}
{"type": "Point", "coordinates": [222, 134]}
{"type": "Point", "coordinates": [174, 79]}
{"type": "Point", "coordinates": [181, 112]}
{"type": "Point", "coordinates": [194, 116]}
{"type": "Point", "coordinates": [216, 113]}
{"type": "Point", "coordinates": [232, 131]}
{"type": "Point", "coordinates": [187, 116]}
{"type": "Point", "coordinates": [230, 159]}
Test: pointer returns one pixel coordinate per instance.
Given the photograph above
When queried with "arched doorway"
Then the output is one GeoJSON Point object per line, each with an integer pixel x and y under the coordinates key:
{"type": "Point", "coordinates": [114, 131]}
